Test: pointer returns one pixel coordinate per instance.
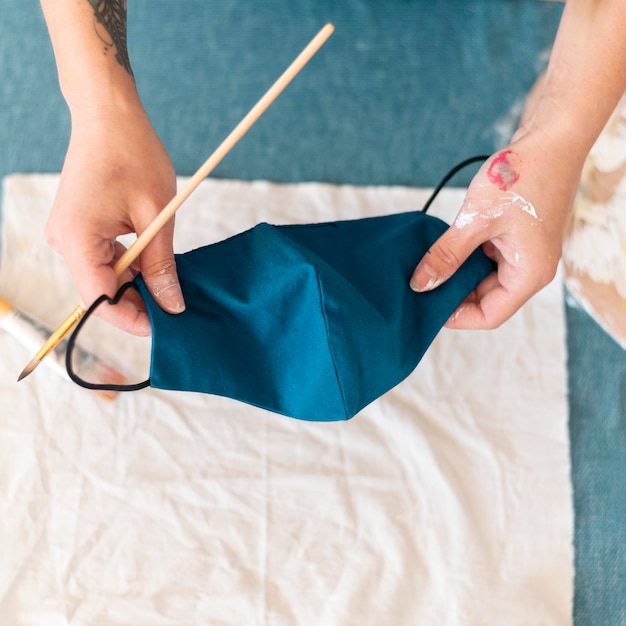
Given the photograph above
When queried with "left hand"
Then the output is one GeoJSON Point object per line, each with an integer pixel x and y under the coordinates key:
{"type": "Point", "coordinates": [516, 207]}
{"type": "Point", "coordinates": [116, 178]}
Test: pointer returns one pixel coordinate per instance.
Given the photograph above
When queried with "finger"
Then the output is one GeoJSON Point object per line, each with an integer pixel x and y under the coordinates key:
{"type": "Point", "coordinates": [131, 272]}
{"type": "Point", "coordinates": [129, 314]}
{"type": "Point", "coordinates": [444, 257]}
{"type": "Point", "coordinates": [487, 307]}
{"type": "Point", "coordinates": [158, 269]}
{"type": "Point", "coordinates": [94, 276]}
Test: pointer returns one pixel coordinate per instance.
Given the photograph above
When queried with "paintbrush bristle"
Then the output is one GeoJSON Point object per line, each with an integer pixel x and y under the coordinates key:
{"type": "Point", "coordinates": [29, 369]}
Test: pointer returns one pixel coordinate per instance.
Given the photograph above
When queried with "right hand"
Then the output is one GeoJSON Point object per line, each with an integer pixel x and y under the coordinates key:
{"type": "Point", "coordinates": [116, 178]}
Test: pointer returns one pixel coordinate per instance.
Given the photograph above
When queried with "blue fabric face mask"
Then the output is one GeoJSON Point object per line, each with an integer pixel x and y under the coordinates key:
{"type": "Point", "coordinates": [311, 321]}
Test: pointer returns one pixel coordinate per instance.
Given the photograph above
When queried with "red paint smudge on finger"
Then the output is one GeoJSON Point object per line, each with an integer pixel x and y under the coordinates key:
{"type": "Point", "coordinates": [501, 172]}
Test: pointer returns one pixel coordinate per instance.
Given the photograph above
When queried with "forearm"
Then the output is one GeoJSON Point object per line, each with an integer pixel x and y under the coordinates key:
{"type": "Point", "coordinates": [586, 75]}
{"type": "Point", "coordinates": [117, 175]}
{"type": "Point", "coordinates": [91, 53]}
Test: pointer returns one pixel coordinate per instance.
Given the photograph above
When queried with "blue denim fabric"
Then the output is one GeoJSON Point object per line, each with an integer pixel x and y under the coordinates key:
{"type": "Point", "coordinates": [401, 92]}
{"type": "Point", "coordinates": [597, 395]}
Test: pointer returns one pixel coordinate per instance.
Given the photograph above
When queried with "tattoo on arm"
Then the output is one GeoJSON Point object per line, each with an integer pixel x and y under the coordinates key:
{"type": "Point", "coordinates": [111, 16]}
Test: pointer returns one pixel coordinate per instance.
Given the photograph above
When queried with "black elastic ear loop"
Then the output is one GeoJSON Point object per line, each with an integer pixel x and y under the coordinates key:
{"type": "Point", "coordinates": [448, 176]}
{"type": "Point", "coordinates": [72, 342]}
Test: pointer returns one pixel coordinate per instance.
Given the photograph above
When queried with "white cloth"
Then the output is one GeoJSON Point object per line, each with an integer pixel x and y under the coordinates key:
{"type": "Point", "coordinates": [445, 502]}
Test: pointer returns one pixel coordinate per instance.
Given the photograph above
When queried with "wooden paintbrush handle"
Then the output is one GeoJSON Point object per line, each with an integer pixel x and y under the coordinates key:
{"type": "Point", "coordinates": [223, 149]}
{"type": "Point", "coordinates": [205, 169]}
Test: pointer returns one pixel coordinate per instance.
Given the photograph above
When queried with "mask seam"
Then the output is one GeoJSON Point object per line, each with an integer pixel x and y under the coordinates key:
{"type": "Point", "coordinates": [330, 346]}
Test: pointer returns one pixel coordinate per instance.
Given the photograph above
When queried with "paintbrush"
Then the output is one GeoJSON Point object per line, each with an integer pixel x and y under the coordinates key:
{"type": "Point", "coordinates": [30, 332]}
{"type": "Point", "coordinates": [170, 209]}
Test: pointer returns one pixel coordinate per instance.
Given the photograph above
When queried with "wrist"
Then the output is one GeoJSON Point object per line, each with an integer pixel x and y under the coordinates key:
{"type": "Point", "coordinates": [91, 55]}
{"type": "Point", "coordinates": [558, 133]}
{"type": "Point", "coordinates": [102, 101]}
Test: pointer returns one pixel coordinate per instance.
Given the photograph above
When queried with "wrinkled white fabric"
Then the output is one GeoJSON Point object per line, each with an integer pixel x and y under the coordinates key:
{"type": "Point", "coordinates": [445, 502]}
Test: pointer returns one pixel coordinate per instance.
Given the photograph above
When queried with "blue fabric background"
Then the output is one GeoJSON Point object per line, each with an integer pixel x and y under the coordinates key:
{"type": "Point", "coordinates": [401, 92]}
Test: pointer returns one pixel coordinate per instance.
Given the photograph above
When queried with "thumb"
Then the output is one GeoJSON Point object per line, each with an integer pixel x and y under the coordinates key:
{"type": "Point", "coordinates": [442, 260]}
{"type": "Point", "coordinates": [158, 268]}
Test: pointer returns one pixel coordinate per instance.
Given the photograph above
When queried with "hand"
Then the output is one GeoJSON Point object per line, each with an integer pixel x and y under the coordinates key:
{"type": "Point", "coordinates": [117, 176]}
{"type": "Point", "coordinates": [516, 207]}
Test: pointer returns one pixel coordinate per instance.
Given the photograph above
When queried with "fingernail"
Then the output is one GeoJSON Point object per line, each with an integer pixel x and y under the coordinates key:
{"type": "Point", "coordinates": [429, 285]}
{"type": "Point", "coordinates": [166, 291]}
